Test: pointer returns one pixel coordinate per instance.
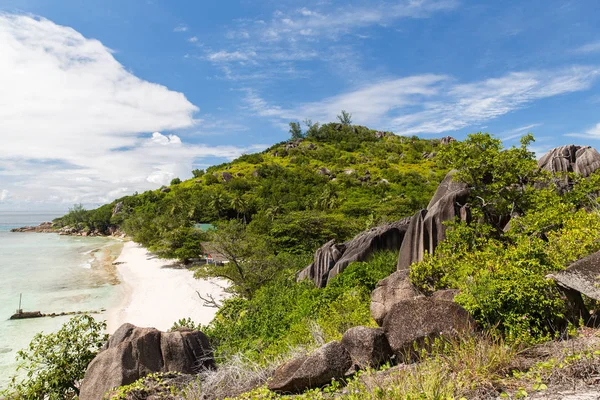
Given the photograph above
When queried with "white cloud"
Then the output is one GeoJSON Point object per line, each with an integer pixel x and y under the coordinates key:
{"type": "Point", "coordinates": [75, 123]}
{"type": "Point", "coordinates": [518, 132]}
{"type": "Point", "coordinates": [592, 47]}
{"type": "Point", "coordinates": [303, 34]}
{"type": "Point", "coordinates": [434, 103]}
{"type": "Point", "coordinates": [226, 56]}
{"type": "Point", "coordinates": [193, 39]}
{"type": "Point", "coordinates": [592, 133]}
{"type": "Point", "coordinates": [332, 23]}
{"type": "Point", "coordinates": [4, 195]}
{"type": "Point", "coordinates": [180, 28]}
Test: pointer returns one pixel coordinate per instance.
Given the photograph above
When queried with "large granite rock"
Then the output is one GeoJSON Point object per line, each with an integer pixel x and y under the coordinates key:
{"type": "Point", "coordinates": [583, 160]}
{"type": "Point", "coordinates": [315, 370]}
{"type": "Point", "coordinates": [331, 259]}
{"type": "Point", "coordinates": [368, 347]}
{"type": "Point", "coordinates": [324, 261]}
{"type": "Point", "coordinates": [426, 229]}
{"type": "Point", "coordinates": [132, 353]}
{"type": "Point", "coordinates": [582, 276]}
{"type": "Point", "coordinates": [411, 321]}
{"type": "Point", "coordinates": [389, 291]}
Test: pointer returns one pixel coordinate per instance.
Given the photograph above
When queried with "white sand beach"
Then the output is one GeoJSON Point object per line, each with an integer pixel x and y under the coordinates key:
{"type": "Point", "coordinates": [156, 293]}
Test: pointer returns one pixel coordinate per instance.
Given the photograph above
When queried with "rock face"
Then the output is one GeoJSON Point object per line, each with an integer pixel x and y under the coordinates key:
{"type": "Point", "coordinates": [331, 259]}
{"type": "Point", "coordinates": [426, 229]}
{"type": "Point", "coordinates": [389, 291]}
{"type": "Point", "coordinates": [582, 276]}
{"type": "Point", "coordinates": [414, 320]}
{"type": "Point", "coordinates": [226, 176]}
{"type": "Point", "coordinates": [315, 370]}
{"type": "Point", "coordinates": [583, 160]}
{"type": "Point", "coordinates": [132, 353]}
{"type": "Point", "coordinates": [368, 347]}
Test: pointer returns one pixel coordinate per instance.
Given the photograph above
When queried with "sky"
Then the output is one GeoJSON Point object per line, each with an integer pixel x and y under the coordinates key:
{"type": "Point", "coordinates": [100, 99]}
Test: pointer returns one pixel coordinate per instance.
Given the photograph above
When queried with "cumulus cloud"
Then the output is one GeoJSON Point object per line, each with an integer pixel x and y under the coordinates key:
{"type": "Point", "coordinates": [76, 124]}
{"type": "Point", "coordinates": [425, 104]}
{"type": "Point", "coordinates": [4, 195]}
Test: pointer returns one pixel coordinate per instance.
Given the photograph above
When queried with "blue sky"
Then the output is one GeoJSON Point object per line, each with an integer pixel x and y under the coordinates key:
{"type": "Point", "coordinates": [102, 99]}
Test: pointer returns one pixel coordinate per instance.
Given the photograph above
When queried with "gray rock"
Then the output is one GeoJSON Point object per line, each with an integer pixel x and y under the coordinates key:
{"type": "Point", "coordinates": [426, 229]}
{"type": "Point", "coordinates": [583, 276]}
{"type": "Point", "coordinates": [583, 160]}
{"type": "Point", "coordinates": [226, 176]}
{"type": "Point", "coordinates": [331, 259]}
{"type": "Point", "coordinates": [368, 347]}
{"type": "Point", "coordinates": [132, 353]}
{"type": "Point", "coordinates": [165, 190]}
{"type": "Point", "coordinates": [410, 322]}
{"type": "Point", "coordinates": [324, 171]}
{"type": "Point", "coordinates": [390, 291]}
{"type": "Point", "coordinates": [117, 208]}
{"type": "Point", "coordinates": [445, 294]}
{"type": "Point", "coordinates": [324, 260]}
{"type": "Point", "coordinates": [315, 370]}
{"type": "Point", "coordinates": [447, 140]}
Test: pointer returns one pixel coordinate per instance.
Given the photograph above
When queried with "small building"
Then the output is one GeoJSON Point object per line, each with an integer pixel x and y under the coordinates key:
{"type": "Point", "coordinates": [212, 256]}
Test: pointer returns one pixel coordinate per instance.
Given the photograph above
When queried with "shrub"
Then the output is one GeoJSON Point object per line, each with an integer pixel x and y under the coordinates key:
{"type": "Point", "coordinates": [55, 363]}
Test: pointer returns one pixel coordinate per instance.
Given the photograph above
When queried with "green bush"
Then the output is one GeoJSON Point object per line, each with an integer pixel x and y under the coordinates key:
{"type": "Point", "coordinates": [54, 364]}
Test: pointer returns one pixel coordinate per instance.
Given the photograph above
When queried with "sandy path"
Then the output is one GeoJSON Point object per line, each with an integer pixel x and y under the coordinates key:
{"type": "Point", "coordinates": [154, 294]}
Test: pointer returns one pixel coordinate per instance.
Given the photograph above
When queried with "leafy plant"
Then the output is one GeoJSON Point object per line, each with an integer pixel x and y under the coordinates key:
{"type": "Point", "coordinates": [54, 364]}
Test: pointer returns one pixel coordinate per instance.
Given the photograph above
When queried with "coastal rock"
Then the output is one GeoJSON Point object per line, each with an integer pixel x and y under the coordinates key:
{"type": "Point", "coordinates": [368, 347]}
{"type": "Point", "coordinates": [412, 321]}
{"type": "Point", "coordinates": [44, 227]}
{"type": "Point", "coordinates": [315, 370]}
{"type": "Point", "coordinates": [583, 160]}
{"type": "Point", "coordinates": [331, 259]}
{"type": "Point", "coordinates": [426, 229]}
{"type": "Point", "coordinates": [390, 291]}
{"type": "Point", "coordinates": [132, 353]}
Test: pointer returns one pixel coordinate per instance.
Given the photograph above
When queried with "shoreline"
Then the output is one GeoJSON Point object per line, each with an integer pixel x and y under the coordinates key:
{"type": "Point", "coordinates": [156, 292]}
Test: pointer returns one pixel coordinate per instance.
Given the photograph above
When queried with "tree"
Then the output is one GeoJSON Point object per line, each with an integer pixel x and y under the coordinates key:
{"type": "Point", "coordinates": [296, 130]}
{"type": "Point", "coordinates": [250, 264]}
{"type": "Point", "coordinates": [55, 363]}
{"type": "Point", "coordinates": [197, 173]}
{"type": "Point", "coordinates": [175, 181]}
{"type": "Point", "coordinates": [312, 128]}
{"type": "Point", "coordinates": [345, 118]}
{"type": "Point", "coordinates": [501, 181]}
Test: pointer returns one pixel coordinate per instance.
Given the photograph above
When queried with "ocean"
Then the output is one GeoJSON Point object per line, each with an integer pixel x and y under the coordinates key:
{"type": "Point", "coordinates": [54, 274]}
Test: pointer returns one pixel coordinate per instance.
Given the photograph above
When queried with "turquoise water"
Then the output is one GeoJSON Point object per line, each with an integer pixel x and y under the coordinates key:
{"type": "Point", "coordinates": [55, 274]}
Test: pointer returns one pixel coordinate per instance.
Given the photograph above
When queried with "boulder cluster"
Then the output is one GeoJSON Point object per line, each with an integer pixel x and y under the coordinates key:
{"type": "Point", "coordinates": [132, 353]}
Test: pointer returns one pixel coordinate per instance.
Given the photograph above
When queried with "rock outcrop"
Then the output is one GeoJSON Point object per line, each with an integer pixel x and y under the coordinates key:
{"type": "Point", "coordinates": [582, 276]}
{"type": "Point", "coordinates": [332, 258]}
{"type": "Point", "coordinates": [583, 160]}
{"type": "Point", "coordinates": [311, 371]}
{"type": "Point", "coordinates": [426, 229]}
{"type": "Point", "coordinates": [132, 353]}
{"type": "Point", "coordinates": [389, 291]}
{"type": "Point", "coordinates": [368, 347]}
{"type": "Point", "coordinates": [411, 321]}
